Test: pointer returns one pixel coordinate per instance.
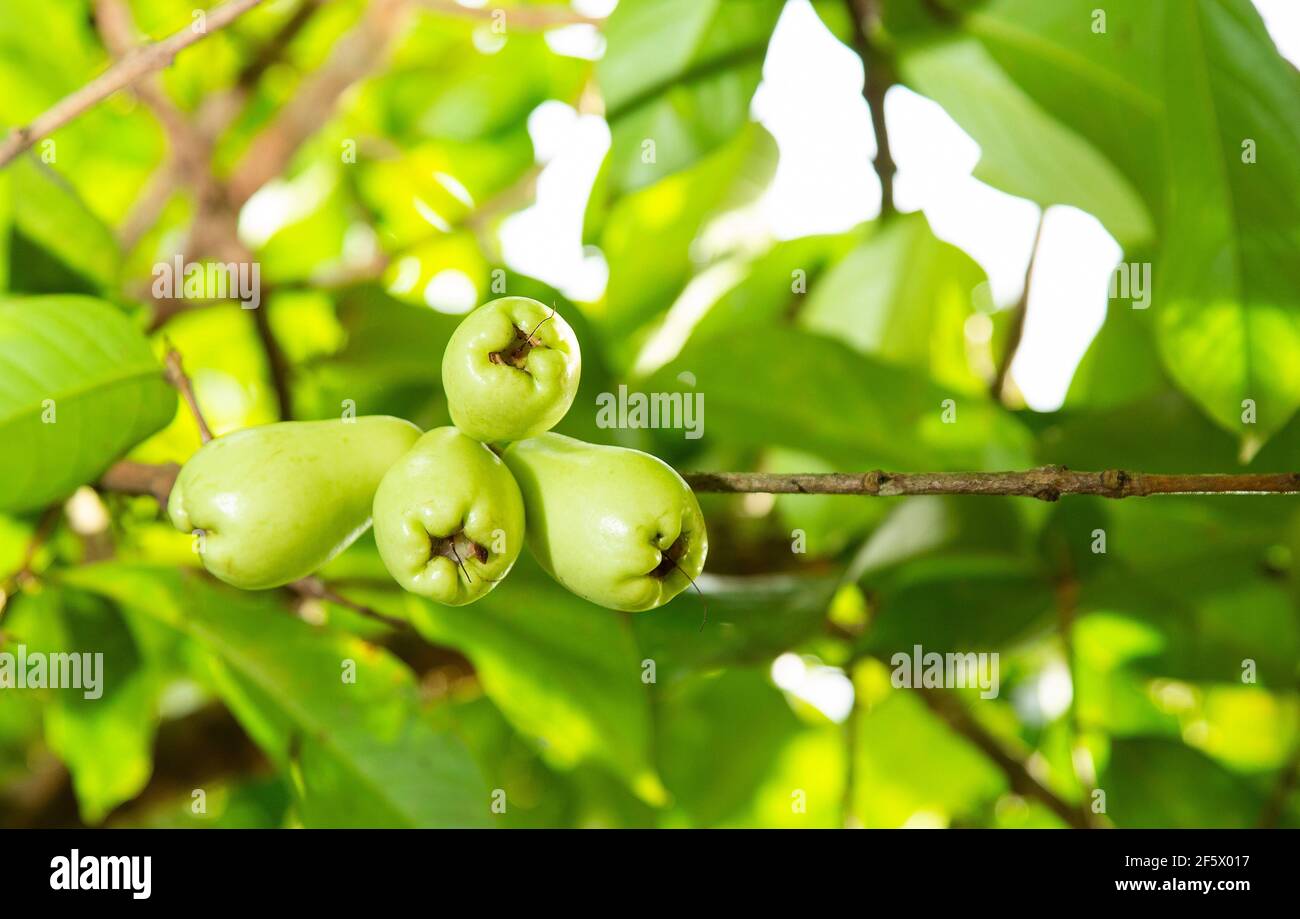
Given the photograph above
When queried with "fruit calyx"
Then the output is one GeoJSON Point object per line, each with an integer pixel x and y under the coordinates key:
{"type": "Point", "coordinates": [669, 557]}
{"type": "Point", "coordinates": [516, 353]}
{"type": "Point", "coordinates": [459, 548]}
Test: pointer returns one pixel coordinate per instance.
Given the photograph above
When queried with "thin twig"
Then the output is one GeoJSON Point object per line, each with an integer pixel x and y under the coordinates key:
{"type": "Point", "coordinates": [44, 527]}
{"type": "Point", "coordinates": [177, 377]}
{"type": "Point", "coordinates": [879, 77]}
{"type": "Point", "coordinates": [529, 18]}
{"type": "Point", "coordinates": [948, 707]}
{"type": "Point", "coordinates": [276, 362]}
{"type": "Point", "coordinates": [1017, 329]}
{"type": "Point", "coordinates": [1046, 483]}
{"type": "Point", "coordinates": [315, 589]}
{"type": "Point", "coordinates": [130, 478]}
{"type": "Point", "coordinates": [1067, 603]}
{"type": "Point", "coordinates": [146, 60]}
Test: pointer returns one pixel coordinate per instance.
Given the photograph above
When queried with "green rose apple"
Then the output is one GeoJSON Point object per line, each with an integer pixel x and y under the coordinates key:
{"type": "Point", "coordinates": [615, 526]}
{"type": "Point", "coordinates": [449, 520]}
{"type": "Point", "coordinates": [510, 370]}
{"type": "Point", "coordinates": [277, 502]}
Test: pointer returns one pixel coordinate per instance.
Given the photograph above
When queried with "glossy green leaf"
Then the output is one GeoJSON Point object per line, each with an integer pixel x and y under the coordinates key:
{"type": "Point", "coordinates": [677, 77]}
{"type": "Point", "coordinates": [1024, 150]}
{"type": "Point", "coordinates": [342, 715]}
{"type": "Point", "coordinates": [563, 671]}
{"type": "Point", "coordinates": [1227, 295]}
{"type": "Point", "coordinates": [79, 387]}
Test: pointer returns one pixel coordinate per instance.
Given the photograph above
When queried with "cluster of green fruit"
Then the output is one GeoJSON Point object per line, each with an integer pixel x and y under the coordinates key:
{"type": "Point", "coordinates": [453, 507]}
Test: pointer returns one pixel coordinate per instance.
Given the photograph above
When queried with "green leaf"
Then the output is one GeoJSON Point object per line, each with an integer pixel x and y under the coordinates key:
{"type": "Point", "coordinates": [908, 761]}
{"type": "Point", "coordinates": [736, 710]}
{"type": "Point", "coordinates": [1160, 432]}
{"type": "Point", "coordinates": [1154, 782]}
{"type": "Point", "coordinates": [442, 85]}
{"type": "Point", "coordinates": [1024, 150]}
{"type": "Point", "coordinates": [1102, 86]}
{"type": "Point", "coordinates": [959, 604]}
{"type": "Point", "coordinates": [105, 739]}
{"type": "Point", "coordinates": [49, 213]}
{"type": "Point", "coordinates": [904, 296]}
{"type": "Point", "coordinates": [790, 388]}
{"type": "Point", "coordinates": [775, 284]}
{"type": "Point", "coordinates": [1227, 298]}
{"type": "Point", "coordinates": [560, 669]}
{"type": "Point", "coordinates": [749, 620]}
{"type": "Point", "coordinates": [361, 753]}
{"type": "Point", "coordinates": [79, 386]}
{"type": "Point", "coordinates": [677, 77]}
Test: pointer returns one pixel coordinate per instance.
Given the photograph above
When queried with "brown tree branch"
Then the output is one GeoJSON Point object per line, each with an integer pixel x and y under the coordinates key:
{"type": "Point", "coordinates": [1017, 329]}
{"type": "Point", "coordinates": [135, 65]}
{"type": "Point", "coordinates": [130, 478]}
{"type": "Point", "coordinates": [355, 56]}
{"type": "Point", "coordinates": [177, 377]}
{"type": "Point", "coordinates": [1046, 483]}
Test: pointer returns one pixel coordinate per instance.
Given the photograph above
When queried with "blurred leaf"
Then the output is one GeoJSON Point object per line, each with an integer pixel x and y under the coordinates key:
{"type": "Point", "coordinates": [903, 296]}
{"type": "Point", "coordinates": [561, 670]}
{"type": "Point", "coordinates": [104, 738]}
{"type": "Point", "coordinates": [775, 284]}
{"type": "Point", "coordinates": [1154, 782]}
{"type": "Point", "coordinates": [444, 84]}
{"type": "Point", "coordinates": [81, 387]}
{"type": "Point", "coordinates": [645, 279]}
{"type": "Point", "coordinates": [774, 386]}
{"type": "Point", "coordinates": [50, 214]}
{"type": "Point", "coordinates": [677, 77]}
{"type": "Point", "coordinates": [736, 710]}
{"type": "Point", "coordinates": [911, 766]}
{"type": "Point", "coordinates": [958, 604]}
{"type": "Point", "coordinates": [749, 621]}
{"type": "Point", "coordinates": [360, 752]}
{"type": "Point", "coordinates": [1161, 432]}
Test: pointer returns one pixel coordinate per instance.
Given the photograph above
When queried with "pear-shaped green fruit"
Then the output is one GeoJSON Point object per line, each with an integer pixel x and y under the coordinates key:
{"type": "Point", "coordinates": [618, 527]}
{"type": "Point", "coordinates": [279, 501]}
{"type": "Point", "coordinates": [449, 520]}
{"type": "Point", "coordinates": [510, 370]}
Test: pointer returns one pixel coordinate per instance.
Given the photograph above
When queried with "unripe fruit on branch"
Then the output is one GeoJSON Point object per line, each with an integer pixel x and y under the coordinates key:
{"type": "Point", "coordinates": [510, 370]}
{"type": "Point", "coordinates": [615, 526]}
{"type": "Point", "coordinates": [277, 502]}
{"type": "Point", "coordinates": [449, 520]}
